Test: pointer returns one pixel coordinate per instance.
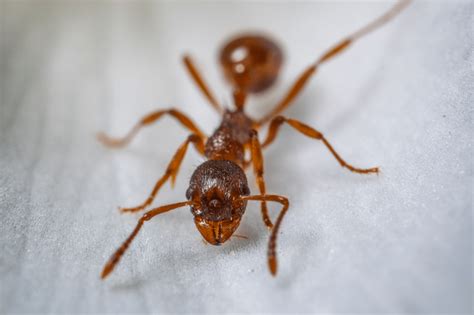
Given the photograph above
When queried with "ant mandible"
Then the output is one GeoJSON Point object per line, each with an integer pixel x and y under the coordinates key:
{"type": "Point", "coordinates": [218, 190]}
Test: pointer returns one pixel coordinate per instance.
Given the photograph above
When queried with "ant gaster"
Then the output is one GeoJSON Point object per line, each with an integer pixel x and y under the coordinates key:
{"type": "Point", "coordinates": [218, 190]}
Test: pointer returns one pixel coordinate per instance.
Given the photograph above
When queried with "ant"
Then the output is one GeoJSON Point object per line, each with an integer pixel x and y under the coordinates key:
{"type": "Point", "coordinates": [218, 190]}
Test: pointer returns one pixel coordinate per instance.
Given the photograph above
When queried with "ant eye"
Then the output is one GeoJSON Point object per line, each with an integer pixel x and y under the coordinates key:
{"type": "Point", "coordinates": [244, 190]}
{"type": "Point", "coordinates": [189, 193]}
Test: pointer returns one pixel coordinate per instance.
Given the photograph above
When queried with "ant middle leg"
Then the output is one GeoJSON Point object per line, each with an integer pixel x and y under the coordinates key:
{"type": "Point", "coordinates": [335, 50]}
{"type": "Point", "coordinates": [257, 161]}
{"type": "Point", "coordinates": [171, 170]}
{"type": "Point", "coordinates": [147, 120]}
{"type": "Point", "coordinates": [312, 133]}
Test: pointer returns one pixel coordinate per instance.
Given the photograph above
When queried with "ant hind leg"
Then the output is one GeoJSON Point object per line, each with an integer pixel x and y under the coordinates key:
{"type": "Point", "coordinates": [333, 51]}
{"type": "Point", "coordinates": [202, 85]}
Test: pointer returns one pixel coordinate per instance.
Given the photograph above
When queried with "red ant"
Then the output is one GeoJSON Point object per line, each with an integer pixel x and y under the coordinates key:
{"type": "Point", "coordinates": [218, 190]}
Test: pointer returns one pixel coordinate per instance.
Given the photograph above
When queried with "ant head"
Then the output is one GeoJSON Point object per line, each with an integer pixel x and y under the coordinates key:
{"type": "Point", "coordinates": [251, 63]}
{"type": "Point", "coordinates": [216, 187]}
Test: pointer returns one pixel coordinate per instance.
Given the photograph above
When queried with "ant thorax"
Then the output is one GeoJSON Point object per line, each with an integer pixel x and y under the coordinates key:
{"type": "Point", "coordinates": [228, 140]}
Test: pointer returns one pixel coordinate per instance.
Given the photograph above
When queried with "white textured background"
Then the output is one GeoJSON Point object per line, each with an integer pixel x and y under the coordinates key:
{"type": "Point", "coordinates": [400, 98]}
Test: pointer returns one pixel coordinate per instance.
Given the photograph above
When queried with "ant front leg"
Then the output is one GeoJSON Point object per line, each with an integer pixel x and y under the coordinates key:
{"type": "Point", "coordinates": [257, 161]}
{"type": "Point", "coordinates": [115, 258]}
{"type": "Point", "coordinates": [312, 133]}
{"type": "Point", "coordinates": [147, 120]}
{"type": "Point", "coordinates": [171, 170]}
{"type": "Point", "coordinates": [272, 257]}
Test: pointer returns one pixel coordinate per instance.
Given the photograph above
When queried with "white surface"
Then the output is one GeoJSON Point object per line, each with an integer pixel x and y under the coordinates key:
{"type": "Point", "coordinates": [400, 98]}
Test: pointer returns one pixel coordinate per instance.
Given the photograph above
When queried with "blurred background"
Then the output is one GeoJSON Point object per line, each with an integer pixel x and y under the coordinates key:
{"type": "Point", "coordinates": [400, 98]}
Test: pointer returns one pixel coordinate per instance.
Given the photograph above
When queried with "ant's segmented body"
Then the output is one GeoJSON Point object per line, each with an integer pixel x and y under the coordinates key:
{"type": "Point", "coordinates": [218, 190]}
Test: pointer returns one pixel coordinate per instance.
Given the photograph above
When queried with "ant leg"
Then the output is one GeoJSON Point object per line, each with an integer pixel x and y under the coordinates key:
{"type": "Point", "coordinates": [147, 120]}
{"type": "Point", "coordinates": [329, 54]}
{"type": "Point", "coordinates": [312, 133]}
{"type": "Point", "coordinates": [115, 258]}
{"type": "Point", "coordinates": [272, 259]}
{"type": "Point", "coordinates": [257, 161]}
{"type": "Point", "coordinates": [198, 79]}
{"type": "Point", "coordinates": [171, 170]}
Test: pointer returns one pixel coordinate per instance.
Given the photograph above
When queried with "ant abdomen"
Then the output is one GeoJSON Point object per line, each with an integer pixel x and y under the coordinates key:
{"type": "Point", "coordinates": [251, 63]}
